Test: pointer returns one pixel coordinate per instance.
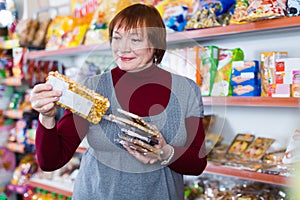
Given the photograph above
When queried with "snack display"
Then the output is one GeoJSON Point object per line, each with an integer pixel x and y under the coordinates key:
{"type": "Point", "coordinates": [78, 98]}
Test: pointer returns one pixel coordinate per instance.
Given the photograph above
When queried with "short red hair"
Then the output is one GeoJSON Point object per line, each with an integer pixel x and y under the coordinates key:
{"type": "Point", "coordinates": [143, 16]}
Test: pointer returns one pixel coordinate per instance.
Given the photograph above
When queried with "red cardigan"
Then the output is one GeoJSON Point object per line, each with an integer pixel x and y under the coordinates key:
{"type": "Point", "coordinates": [137, 93]}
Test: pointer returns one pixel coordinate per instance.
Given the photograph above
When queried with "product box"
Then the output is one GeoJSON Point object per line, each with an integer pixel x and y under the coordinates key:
{"type": "Point", "coordinates": [295, 90]}
{"type": "Point", "coordinates": [287, 71]}
{"type": "Point", "coordinates": [268, 68]}
{"type": "Point", "coordinates": [245, 78]}
{"type": "Point", "coordinates": [279, 90]}
{"type": "Point", "coordinates": [246, 90]}
{"type": "Point", "coordinates": [245, 66]}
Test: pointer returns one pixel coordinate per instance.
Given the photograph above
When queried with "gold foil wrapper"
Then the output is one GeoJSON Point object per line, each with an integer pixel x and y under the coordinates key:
{"type": "Point", "coordinates": [99, 106]}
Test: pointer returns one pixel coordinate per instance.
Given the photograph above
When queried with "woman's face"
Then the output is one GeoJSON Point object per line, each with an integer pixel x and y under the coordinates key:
{"type": "Point", "coordinates": [131, 49]}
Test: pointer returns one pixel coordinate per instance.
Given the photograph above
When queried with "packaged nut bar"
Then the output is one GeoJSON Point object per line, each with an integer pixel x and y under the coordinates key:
{"type": "Point", "coordinates": [257, 149]}
{"type": "Point", "coordinates": [78, 98]}
{"type": "Point", "coordinates": [240, 144]}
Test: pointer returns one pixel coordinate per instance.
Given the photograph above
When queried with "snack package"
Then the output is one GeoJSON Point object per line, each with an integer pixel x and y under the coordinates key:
{"type": "Point", "coordinates": [239, 14]}
{"type": "Point", "coordinates": [265, 9]}
{"type": "Point", "coordinates": [240, 144]}
{"type": "Point", "coordinates": [210, 13]}
{"type": "Point", "coordinates": [222, 86]}
{"type": "Point", "coordinates": [269, 62]}
{"type": "Point", "coordinates": [79, 99]}
{"type": "Point", "coordinates": [136, 134]}
{"type": "Point", "coordinates": [208, 68]}
{"type": "Point", "coordinates": [257, 149]}
{"type": "Point", "coordinates": [293, 7]}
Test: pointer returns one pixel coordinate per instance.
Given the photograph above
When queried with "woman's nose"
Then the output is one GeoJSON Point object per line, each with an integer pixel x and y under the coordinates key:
{"type": "Point", "coordinates": [124, 45]}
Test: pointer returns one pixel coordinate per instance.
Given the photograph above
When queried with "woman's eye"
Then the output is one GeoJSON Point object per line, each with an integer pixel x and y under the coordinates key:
{"type": "Point", "coordinates": [116, 37]}
{"type": "Point", "coordinates": [136, 40]}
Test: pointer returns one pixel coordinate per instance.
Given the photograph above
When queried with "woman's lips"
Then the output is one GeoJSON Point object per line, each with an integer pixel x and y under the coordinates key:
{"type": "Point", "coordinates": [125, 59]}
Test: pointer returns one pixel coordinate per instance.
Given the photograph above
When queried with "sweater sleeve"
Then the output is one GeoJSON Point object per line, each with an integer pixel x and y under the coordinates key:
{"type": "Point", "coordinates": [191, 158]}
{"type": "Point", "coordinates": [56, 146]}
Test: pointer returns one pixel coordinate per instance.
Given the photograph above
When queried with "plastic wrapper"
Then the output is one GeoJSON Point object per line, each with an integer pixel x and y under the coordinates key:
{"type": "Point", "coordinates": [221, 85]}
{"type": "Point", "coordinates": [137, 134]}
{"type": "Point", "coordinates": [293, 7]}
{"type": "Point", "coordinates": [265, 9]}
{"type": "Point", "coordinates": [257, 149]}
{"type": "Point", "coordinates": [78, 98]}
{"type": "Point", "coordinates": [239, 14]}
{"type": "Point", "coordinates": [210, 13]}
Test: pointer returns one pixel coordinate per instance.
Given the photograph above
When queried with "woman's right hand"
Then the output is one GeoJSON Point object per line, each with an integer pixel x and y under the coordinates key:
{"type": "Point", "coordinates": [43, 99]}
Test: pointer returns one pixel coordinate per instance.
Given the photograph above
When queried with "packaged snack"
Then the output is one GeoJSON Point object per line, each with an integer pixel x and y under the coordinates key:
{"type": "Point", "coordinates": [245, 66]}
{"type": "Point", "coordinates": [269, 61]}
{"type": "Point", "coordinates": [240, 144]}
{"type": "Point", "coordinates": [137, 134]}
{"type": "Point", "coordinates": [210, 14]}
{"type": "Point", "coordinates": [222, 86]}
{"type": "Point", "coordinates": [246, 90]}
{"type": "Point", "coordinates": [78, 98]}
{"type": "Point", "coordinates": [265, 9]}
{"type": "Point", "coordinates": [274, 158]}
{"type": "Point", "coordinates": [295, 90]}
{"type": "Point", "coordinates": [208, 68]}
{"type": "Point", "coordinates": [240, 12]}
{"type": "Point", "coordinates": [257, 149]}
{"type": "Point", "coordinates": [293, 7]}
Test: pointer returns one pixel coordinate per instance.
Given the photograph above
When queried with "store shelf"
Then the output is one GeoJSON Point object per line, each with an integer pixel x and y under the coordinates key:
{"type": "Point", "coordinates": [52, 186]}
{"type": "Point", "coordinates": [252, 101]}
{"type": "Point", "coordinates": [249, 175]}
{"type": "Point", "coordinates": [63, 52]}
{"type": "Point", "coordinates": [274, 25]}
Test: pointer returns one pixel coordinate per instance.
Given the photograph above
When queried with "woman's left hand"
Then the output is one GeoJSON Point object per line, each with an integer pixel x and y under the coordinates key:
{"type": "Point", "coordinates": [162, 147]}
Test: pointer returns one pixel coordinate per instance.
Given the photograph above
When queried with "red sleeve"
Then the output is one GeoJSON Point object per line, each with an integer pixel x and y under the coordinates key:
{"type": "Point", "coordinates": [56, 146]}
{"type": "Point", "coordinates": [191, 158]}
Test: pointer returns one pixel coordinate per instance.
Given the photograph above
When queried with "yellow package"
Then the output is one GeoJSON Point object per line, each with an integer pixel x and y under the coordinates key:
{"type": "Point", "coordinates": [78, 98]}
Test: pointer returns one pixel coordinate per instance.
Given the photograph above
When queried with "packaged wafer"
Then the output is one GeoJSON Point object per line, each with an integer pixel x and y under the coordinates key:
{"type": "Point", "coordinates": [78, 98]}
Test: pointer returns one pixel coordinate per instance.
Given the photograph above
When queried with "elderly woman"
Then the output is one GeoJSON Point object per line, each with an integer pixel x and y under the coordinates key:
{"type": "Point", "coordinates": [172, 103]}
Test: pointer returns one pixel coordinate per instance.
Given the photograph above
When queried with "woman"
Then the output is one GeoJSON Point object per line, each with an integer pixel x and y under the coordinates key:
{"type": "Point", "coordinates": [170, 102]}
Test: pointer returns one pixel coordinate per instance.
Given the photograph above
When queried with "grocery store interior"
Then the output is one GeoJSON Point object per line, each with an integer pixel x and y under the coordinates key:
{"type": "Point", "coordinates": [243, 55]}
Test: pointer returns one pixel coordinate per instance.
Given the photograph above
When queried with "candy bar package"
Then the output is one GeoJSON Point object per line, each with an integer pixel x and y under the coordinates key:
{"type": "Point", "coordinates": [137, 134]}
{"type": "Point", "coordinates": [78, 98]}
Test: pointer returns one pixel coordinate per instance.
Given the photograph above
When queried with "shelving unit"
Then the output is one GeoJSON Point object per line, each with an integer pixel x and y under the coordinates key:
{"type": "Point", "coordinates": [273, 25]}
{"type": "Point", "coordinates": [249, 175]}
{"type": "Point", "coordinates": [265, 26]}
{"type": "Point", "coordinates": [251, 101]}
{"type": "Point", "coordinates": [58, 188]}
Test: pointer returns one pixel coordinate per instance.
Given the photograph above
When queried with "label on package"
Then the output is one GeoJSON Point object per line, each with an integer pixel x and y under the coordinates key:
{"type": "Point", "coordinates": [70, 98]}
